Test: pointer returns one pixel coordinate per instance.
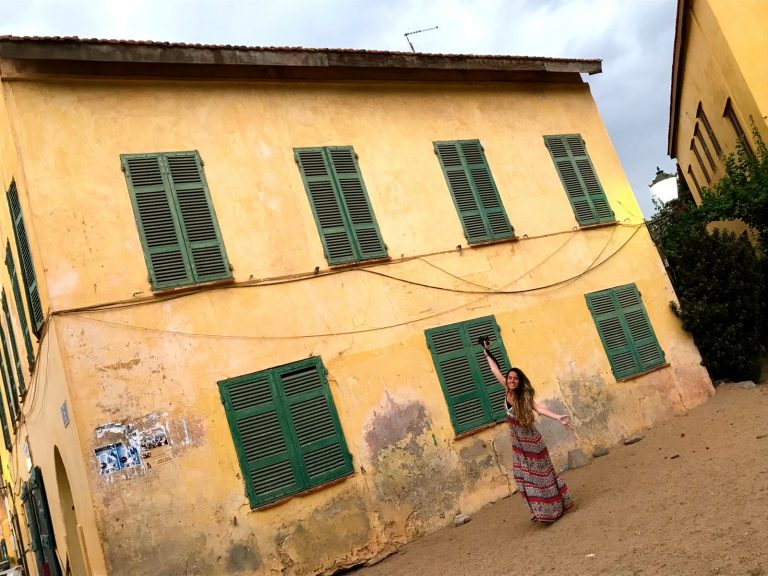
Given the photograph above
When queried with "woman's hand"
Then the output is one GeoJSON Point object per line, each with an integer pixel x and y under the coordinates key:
{"type": "Point", "coordinates": [565, 420]}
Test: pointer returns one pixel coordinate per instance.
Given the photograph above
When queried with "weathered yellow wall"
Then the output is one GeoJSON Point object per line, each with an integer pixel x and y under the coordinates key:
{"type": "Point", "coordinates": [162, 361]}
{"type": "Point", "coordinates": [724, 57]}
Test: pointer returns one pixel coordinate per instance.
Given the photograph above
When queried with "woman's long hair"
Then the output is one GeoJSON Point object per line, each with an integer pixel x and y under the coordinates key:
{"type": "Point", "coordinates": [522, 398]}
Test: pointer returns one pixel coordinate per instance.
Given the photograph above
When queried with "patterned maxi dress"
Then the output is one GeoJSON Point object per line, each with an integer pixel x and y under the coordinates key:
{"type": "Point", "coordinates": [542, 489]}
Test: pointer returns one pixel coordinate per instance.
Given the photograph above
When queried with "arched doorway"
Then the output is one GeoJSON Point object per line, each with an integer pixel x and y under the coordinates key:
{"type": "Point", "coordinates": [68, 512]}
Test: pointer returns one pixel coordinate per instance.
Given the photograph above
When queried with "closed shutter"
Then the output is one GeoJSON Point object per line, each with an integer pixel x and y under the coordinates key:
{"type": "Point", "coordinates": [286, 430]}
{"type": "Point", "coordinates": [625, 331]}
{"type": "Point", "coordinates": [473, 190]}
{"type": "Point", "coordinates": [34, 531]}
{"type": "Point", "coordinates": [14, 347]}
{"type": "Point", "coordinates": [25, 259]}
{"type": "Point", "coordinates": [356, 202]}
{"type": "Point", "coordinates": [199, 224]}
{"type": "Point", "coordinates": [340, 204]}
{"type": "Point", "coordinates": [13, 403]}
{"type": "Point", "coordinates": [19, 306]}
{"type": "Point", "coordinates": [315, 426]}
{"type": "Point", "coordinates": [175, 217]}
{"type": "Point", "coordinates": [649, 352]}
{"type": "Point", "coordinates": [4, 424]}
{"type": "Point", "coordinates": [579, 179]}
{"type": "Point", "coordinates": [487, 327]}
{"type": "Point", "coordinates": [14, 399]}
{"type": "Point", "coordinates": [47, 539]}
{"type": "Point", "coordinates": [326, 206]}
{"type": "Point", "coordinates": [473, 394]}
{"type": "Point", "coordinates": [260, 435]}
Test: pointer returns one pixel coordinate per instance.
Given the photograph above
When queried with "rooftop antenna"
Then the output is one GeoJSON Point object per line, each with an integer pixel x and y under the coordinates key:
{"type": "Point", "coordinates": [417, 32]}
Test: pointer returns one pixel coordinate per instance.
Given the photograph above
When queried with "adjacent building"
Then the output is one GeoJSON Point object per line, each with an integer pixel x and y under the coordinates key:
{"type": "Point", "coordinates": [719, 85]}
{"type": "Point", "coordinates": [243, 289]}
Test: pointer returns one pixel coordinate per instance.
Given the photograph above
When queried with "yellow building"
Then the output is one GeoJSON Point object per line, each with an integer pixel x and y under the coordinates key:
{"type": "Point", "coordinates": [252, 282]}
{"type": "Point", "coordinates": [719, 85]}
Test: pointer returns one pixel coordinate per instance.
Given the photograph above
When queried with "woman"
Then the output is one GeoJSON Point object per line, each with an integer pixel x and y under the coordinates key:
{"type": "Point", "coordinates": [545, 493]}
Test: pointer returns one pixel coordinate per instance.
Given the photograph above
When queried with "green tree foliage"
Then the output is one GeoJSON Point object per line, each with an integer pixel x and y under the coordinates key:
{"type": "Point", "coordinates": [720, 278]}
{"type": "Point", "coordinates": [742, 194]}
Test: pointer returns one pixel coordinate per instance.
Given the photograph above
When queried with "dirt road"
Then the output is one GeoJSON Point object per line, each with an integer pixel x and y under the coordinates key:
{"type": "Point", "coordinates": [691, 498]}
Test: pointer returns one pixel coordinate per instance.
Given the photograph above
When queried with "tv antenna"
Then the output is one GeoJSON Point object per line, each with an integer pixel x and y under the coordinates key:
{"type": "Point", "coordinates": [417, 32]}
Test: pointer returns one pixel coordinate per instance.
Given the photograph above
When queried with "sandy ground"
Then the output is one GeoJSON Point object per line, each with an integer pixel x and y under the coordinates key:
{"type": "Point", "coordinates": [690, 498]}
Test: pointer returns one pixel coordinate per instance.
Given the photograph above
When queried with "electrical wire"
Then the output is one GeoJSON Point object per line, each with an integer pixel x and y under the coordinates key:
{"type": "Point", "coordinates": [595, 264]}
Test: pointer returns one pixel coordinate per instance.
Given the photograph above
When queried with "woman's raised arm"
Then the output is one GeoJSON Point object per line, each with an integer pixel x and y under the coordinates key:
{"type": "Point", "coordinates": [492, 363]}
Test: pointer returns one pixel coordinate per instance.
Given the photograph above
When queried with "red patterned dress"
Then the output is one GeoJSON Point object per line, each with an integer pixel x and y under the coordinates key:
{"type": "Point", "coordinates": [542, 489]}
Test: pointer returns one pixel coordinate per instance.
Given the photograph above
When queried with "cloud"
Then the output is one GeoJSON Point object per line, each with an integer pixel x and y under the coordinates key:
{"type": "Point", "coordinates": [633, 37]}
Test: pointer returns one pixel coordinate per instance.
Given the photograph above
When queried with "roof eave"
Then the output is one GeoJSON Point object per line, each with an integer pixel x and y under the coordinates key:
{"type": "Point", "coordinates": [677, 65]}
{"type": "Point", "coordinates": [55, 49]}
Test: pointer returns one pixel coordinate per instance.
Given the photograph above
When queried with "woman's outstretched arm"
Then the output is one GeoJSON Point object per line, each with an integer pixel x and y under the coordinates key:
{"type": "Point", "coordinates": [564, 419]}
{"type": "Point", "coordinates": [493, 364]}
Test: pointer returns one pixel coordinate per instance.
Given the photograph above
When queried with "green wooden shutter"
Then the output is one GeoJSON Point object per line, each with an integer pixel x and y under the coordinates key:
{"type": "Point", "coordinates": [315, 425]}
{"type": "Point", "coordinates": [473, 190]}
{"type": "Point", "coordinates": [47, 539]}
{"type": "Point", "coordinates": [19, 306]}
{"type": "Point", "coordinates": [200, 227]}
{"type": "Point", "coordinates": [286, 430]}
{"type": "Point", "coordinates": [335, 233]}
{"type": "Point", "coordinates": [473, 395]}
{"type": "Point", "coordinates": [175, 217]}
{"type": "Point", "coordinates": [340, 204]}
{"type": "Point", "coordinates": [34, 530]}
{"type": "Point", "coordinates": [267, 459]}
{"type": "Point", "coordinates": [4, 424]}
{"type": "Point", "coordinates": [625, 331]}
{"type": "Point", "coordinates": [9, 367]}
{"type": "Point", "coordinates": [357, 205]}
{"type": "Point", "coordinates": [25, 258]}
{"type": "Point", "coordinates": [157, 220]}
{"type": "Point", "coordinates": [13, 403]}
{"type": "Point", "coordinates": [494, 391]}
{"type": "Point", "coordinates": [648, 350]}
{"type": "Point", "coordinates": [579, 178]}
{"type": "Point", "coordinates": [14, 347]}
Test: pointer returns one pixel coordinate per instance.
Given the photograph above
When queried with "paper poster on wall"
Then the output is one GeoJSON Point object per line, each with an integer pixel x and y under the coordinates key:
{"type": "Point", "coordinates": [117, 456]}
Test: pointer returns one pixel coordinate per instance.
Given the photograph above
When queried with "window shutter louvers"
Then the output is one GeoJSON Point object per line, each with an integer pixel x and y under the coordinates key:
{"type": "Point", "coordinates": [47, 552]}
{"type": "Point", "coordinates": [473, 190]}
{"type": "Point", "coordinates": [176, 220]}
{"type": "Point", "coordinates": [199, 224]}
{"type": "Point", "coordinates": [14, 347]}
{"type": "Point", "coordinates": [13, 403]}
{"type": "Point", "coordinates": [624, 328]}
{"type": "Point", "coordinates": [4, 423]}
{"type": "Point", "coordinates": [9, 368]}
{"type": "Point", "coordinates": [261, 439]}
{"type": "Point", "coordinates": [357, 204]}
{"type": "Point", "coordinates": [25, 259]}
{"type": "Point", "coordinates": [473, 394]}
{"type": "Point", "coordinates": [340, 204]}
{"type": "Point", "coordinates": [158, 226]}
{"type": "Point", "coordinates": [286, 430]}
{"type": "Point", "coordinates": [317, 432]}
{"type": "Point", "coordinates": [579, 179]}
{"type": "Point", "coordinates": [19, 306]}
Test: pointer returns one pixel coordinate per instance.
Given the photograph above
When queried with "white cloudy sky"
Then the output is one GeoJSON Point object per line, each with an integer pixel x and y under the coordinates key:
{"type": "Point", "coordinates": [633, 37]}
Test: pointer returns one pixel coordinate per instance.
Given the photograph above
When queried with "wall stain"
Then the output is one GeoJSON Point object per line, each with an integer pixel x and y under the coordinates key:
{"type": "Point", "coordinates": [243, 557]}
{"type": "Point", "coordinates": [129, 365]}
